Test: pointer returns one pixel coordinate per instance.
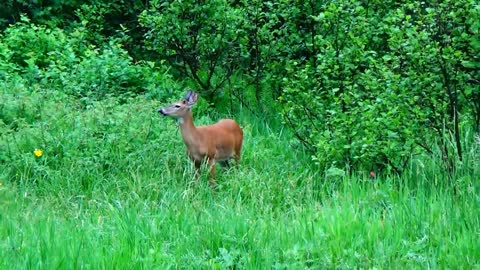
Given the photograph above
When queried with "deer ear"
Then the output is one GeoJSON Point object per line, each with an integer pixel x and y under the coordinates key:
{"type": "Point", "coordinates": [188, 94]}
{"type": "Point", "coordinates": [192, 98]}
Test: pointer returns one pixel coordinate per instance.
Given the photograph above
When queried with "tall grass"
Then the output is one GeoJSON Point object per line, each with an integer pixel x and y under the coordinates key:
{"type": "Point", "coordinates": [114, 190]}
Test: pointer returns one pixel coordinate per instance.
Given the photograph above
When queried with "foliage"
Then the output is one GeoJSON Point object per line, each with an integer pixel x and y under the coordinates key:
{"type": "Point", "coordinates": [199, 40]}
{"type": "Point", "coordinates": [362, 85]}
{"type": "Point", "coordinates": [382, 85]}
{"type": "Point", "coordinates": [101, 19]}
{"type": "Point", "coordinates": [370, 88]}
{"type": "Point", "coordinates": [69, 62]}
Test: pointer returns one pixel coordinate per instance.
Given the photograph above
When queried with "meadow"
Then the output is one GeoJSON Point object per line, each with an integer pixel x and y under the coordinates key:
{"type": "Point", "coordinates": [113, 189]}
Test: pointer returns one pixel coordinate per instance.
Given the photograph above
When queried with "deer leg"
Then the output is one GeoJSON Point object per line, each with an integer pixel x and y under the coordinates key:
{"type": "Point", "coordinates": [237, 158]}
{"type": "Point", "coordinates": [225, 164]}
{"type": "Point", "coordinates": [211, 167]}
{"type": "Point", "coordinates": [197, 165]}
{"type": "Point", "coordinates": [237, 153]}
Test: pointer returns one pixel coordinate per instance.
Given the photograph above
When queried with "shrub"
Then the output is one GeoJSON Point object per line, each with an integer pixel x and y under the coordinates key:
{"type": "Point", "coordinates": [200, 41]}
{"type": "Point", "coordinates": [383, 85]}
{"type": "Point", "coordinates": [68, 63]}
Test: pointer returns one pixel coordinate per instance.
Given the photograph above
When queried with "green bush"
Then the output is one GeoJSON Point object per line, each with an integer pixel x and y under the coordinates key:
{"type": "Point", "coordinates": [32, 45]}
{"type": "Point", "coordinates": [199, 41]}
{"type": "Point", "coordinates": [384, 85]}
{"type": "Point", "coordinates": [67, 62]}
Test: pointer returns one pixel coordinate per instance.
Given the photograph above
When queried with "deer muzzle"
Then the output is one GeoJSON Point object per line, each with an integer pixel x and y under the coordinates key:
{"type": "Point", "coordinates": [162, 112]}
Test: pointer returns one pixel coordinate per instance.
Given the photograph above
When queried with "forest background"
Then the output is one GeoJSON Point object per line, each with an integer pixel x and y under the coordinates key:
{"type": "Point", "coordinates": [361, 123]}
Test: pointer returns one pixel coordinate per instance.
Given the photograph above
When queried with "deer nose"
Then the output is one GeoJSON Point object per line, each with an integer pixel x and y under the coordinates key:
{"type": "Point", "coordinates": [162, 112]}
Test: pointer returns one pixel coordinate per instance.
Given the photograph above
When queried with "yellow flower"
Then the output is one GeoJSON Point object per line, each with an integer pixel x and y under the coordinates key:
{"type": "Point", "coordinates": [38, 152]}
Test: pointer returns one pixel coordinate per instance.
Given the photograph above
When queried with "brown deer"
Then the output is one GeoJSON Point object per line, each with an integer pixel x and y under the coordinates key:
{"type": "Point", "coordinates": [218, 142]}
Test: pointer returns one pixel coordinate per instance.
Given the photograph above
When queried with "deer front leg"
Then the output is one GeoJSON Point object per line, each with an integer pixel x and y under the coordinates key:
{"type": "Point", "coordinates": [197, 165]}
{"type": "Point", "coordinates": [211, 167]}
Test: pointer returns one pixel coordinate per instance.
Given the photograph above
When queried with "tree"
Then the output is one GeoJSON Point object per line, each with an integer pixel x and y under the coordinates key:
{"type": "Point", "coordinates": [200, 40]}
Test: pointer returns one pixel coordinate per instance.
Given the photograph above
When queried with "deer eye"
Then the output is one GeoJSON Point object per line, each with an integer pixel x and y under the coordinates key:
{"type": "Point", "coordinates": [177, 106]}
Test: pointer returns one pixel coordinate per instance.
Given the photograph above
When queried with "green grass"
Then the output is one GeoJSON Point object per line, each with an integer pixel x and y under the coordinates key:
{"type": "Point", "coordinates": [114, 190]}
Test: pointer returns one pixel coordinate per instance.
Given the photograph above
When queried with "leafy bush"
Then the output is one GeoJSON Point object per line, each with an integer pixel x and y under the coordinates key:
{"type": "Point", "coordinates": [29, 47]}
{"type": "Point", "coordinates": [383, 85]}
{"type": "Point", "coordinates": [99, 73]}
{"type": "Point", "coordinates": [66, 61]}
{"type": "Point", "coordinates": [200, 41]}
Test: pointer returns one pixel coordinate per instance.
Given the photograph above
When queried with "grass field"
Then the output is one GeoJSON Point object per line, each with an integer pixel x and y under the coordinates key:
{"type": "Point", "coordinates": [113, 189]}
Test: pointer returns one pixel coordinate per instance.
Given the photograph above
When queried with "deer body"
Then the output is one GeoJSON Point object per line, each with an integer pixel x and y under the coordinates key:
{"type": "Point", "coordinates": [218, 142]}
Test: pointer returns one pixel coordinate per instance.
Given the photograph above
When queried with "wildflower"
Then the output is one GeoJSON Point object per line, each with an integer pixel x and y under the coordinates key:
{"type": "Point", "coordinates": [38, 152]}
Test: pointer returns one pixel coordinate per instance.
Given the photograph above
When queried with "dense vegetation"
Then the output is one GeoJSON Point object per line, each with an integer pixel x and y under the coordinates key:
{"type": "Point", "coordinates": [361, 122]}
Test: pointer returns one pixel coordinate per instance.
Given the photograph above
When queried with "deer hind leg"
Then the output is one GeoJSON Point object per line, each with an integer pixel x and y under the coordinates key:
{"type": "Point", "coordinates": [236, 155]}
{"type": "Point", "coordinates": [225, 164]}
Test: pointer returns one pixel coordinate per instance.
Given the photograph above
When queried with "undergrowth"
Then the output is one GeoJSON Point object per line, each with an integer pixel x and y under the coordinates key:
{"type": "Point", "coordinates": [113, 189]}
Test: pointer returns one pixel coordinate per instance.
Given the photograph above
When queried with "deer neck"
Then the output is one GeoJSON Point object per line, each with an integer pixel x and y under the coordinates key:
{"type": "Point", "coordinates": [188, 129]}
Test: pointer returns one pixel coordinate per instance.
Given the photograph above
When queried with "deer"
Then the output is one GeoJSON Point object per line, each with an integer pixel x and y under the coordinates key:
{"type": "Point", "coordinates": [219, 142]}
